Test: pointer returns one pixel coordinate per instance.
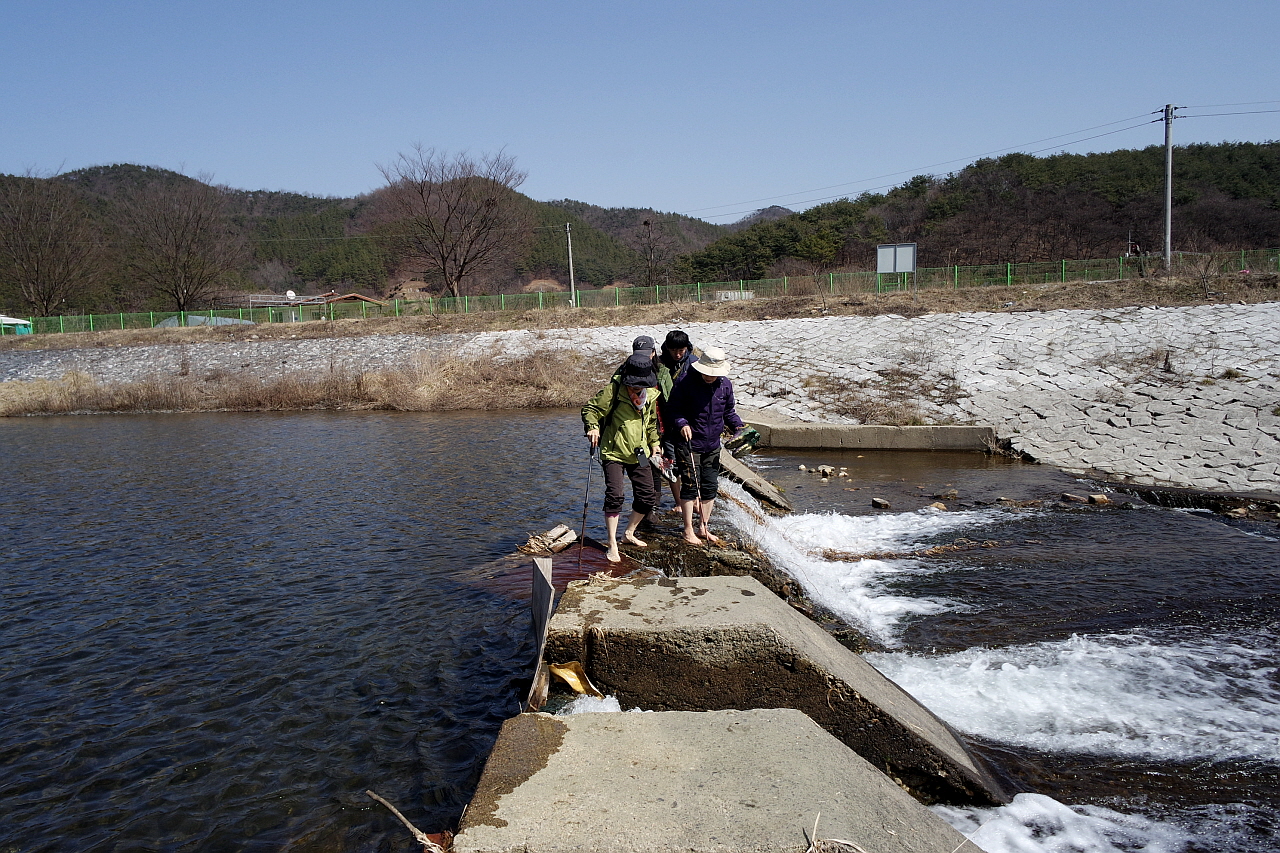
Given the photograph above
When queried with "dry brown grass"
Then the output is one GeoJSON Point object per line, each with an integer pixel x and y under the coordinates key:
{"type": "Point", "coordinates": [894, 398]}
{"type": "Point", "coordinates": [1168, 292]}
{"type": "Point", "coordinates": [886, 406]}
{"type": "Point", "coordinates": [429, 384]}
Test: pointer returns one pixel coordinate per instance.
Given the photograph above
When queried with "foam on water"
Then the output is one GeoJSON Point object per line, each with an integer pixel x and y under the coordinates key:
{"type": "Point", "coordinates": [1034, 823]}
{"type": "Point", "coordinates": [853, 589]}
{"type": "Point", "coordinates": [1128, 695]}
{"type": "Point", "coordinates": [591, 705]}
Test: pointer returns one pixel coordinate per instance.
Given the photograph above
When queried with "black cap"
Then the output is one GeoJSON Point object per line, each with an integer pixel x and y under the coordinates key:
{"type": "Point", "coordinates": [638, 372]}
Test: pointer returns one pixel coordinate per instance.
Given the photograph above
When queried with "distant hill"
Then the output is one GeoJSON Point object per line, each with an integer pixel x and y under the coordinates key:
{"type": "Point", "coordinates": [112, 181]}
{"type": "Point", "coordinates": [764, 214]}
{"type": "Point", "coordinates": [626, 224]}
{"type": "Point", "coordinates": [1019, 208]}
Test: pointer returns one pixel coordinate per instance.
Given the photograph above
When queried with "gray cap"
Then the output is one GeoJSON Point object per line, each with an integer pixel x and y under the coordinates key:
{"type": "Point", "coordinates": [644, 342]}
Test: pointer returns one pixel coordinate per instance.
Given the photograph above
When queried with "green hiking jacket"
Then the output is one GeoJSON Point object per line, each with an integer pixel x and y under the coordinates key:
{"type": "Point", "coordinates": [626, 429]}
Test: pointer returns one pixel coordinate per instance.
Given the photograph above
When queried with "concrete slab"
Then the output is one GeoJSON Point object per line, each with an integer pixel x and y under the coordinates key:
{"type": "Point", "coordinates": [753, 482]}
{"type": "Point", "coordinates": [782, 432]}
{"type": "Point", "coordinates": [715, 643]}
{"type": "Point", "coordinates": [717, 782]}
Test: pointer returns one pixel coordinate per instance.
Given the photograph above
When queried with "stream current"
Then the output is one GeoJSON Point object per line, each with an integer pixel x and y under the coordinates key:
{"type": "Point", "coordinates": [217, 631]}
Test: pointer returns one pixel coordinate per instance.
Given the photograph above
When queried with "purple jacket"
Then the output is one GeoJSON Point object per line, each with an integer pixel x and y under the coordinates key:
{"type": "Point", "coordinates": [705, 407]}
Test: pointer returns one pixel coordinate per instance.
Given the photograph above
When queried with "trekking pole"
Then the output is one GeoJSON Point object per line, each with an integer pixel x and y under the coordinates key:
{"type": "Point", "coordinates": [693, 467]}
{"type": "Point", "coordinates": [586, 496]}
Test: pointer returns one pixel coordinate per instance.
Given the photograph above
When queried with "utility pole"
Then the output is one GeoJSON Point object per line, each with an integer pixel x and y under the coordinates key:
{"type": "Point", "coordinates": [1168, 185]}
{"type": "Point", "coordinates": [573, 290]}
{"type": "Point", "coordinates": [648, 254]}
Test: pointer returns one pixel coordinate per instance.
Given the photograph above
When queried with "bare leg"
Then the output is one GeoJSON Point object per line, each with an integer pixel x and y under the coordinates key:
{"type": "Point", "coordinates": [707, 506]}
{"type": "Point", "coordinates": [686, 508]}
{"type": "Point", "coordinates": [630, 535]}
{"type": "Point", "coordinates": [611, 527]}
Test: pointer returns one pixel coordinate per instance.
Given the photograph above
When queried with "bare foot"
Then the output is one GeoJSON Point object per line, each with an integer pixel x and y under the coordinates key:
{"type": "Point", "coordinates": [711, 537]}
{"type": "Point", "coordinates": [692, 539]}
{"type": "Point", "coordinates": [612, 555]}
{"type": "Point", "coordinates": [631, 537]}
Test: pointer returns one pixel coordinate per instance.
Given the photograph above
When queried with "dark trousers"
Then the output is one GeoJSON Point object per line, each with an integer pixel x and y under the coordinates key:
{"type": "Point", "coordinates": [644, 497]}
{"type": "Point", "coordinates": [706, 468]}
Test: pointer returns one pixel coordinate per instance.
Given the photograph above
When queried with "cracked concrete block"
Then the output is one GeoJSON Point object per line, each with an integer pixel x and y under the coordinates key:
{"type": "Point", "coordinates": [720, 642]}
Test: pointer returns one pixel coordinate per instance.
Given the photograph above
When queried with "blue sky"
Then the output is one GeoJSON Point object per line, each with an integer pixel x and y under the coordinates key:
{"type": "Point", "coordinates": [711, 108]}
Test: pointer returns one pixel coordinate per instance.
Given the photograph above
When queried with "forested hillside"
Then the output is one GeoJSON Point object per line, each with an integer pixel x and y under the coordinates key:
{"type": "Point", "coordinates": [129, 238]}
{"type": "Point", "coordinates": [628, 225]}
{"type": "Point", "coordinates": [1022, 208]}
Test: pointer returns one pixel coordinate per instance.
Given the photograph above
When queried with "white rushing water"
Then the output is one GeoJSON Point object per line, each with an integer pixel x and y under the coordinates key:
{"type": "Point", "coordinates": [1124, 695]}
{"type": "Point", "coordinates": [854, 589]}
{"type": "Point", "coordinates": [1137, 695]}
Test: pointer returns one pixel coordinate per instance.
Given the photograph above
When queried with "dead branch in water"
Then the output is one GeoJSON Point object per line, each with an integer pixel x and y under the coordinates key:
{"type": "Point", "coordinates": [428, 845]}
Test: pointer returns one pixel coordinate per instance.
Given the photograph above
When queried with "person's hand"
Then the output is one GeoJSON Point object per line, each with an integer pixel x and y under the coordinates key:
{"type": "Point", "coordinates": [686, 431]}
{"type": "Point", "coordinates": [594, 436]}
{"type": "Point", "coordinates": [657, 450]}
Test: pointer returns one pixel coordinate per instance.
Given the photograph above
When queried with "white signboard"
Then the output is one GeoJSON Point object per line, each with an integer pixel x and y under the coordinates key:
{"type": "Point", "coordinates": [896, 257]}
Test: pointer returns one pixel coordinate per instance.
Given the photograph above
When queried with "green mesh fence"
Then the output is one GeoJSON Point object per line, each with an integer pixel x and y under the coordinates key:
{"type": "Point", "coordinates": [835, 284]}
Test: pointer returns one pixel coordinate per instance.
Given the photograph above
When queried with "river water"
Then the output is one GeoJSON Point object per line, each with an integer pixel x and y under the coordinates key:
{"type": "Point", "coordinates": [219, 630]}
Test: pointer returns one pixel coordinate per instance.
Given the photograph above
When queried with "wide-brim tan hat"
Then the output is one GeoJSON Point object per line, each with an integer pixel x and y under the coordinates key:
{"type": "Point", "coordinates": [712, 362]}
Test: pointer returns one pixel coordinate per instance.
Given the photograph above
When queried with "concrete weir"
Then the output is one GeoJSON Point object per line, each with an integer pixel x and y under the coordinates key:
{"type": "Point", "coordinates": [720, 643]}
{"type": "Point", "coordinates": [789, 434]}
{"type": "Point", "coordinates": [720, 781]}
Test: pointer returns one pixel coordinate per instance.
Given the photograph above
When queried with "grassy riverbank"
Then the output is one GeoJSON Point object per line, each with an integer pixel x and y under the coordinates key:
{"type": "Point", "coordinates": [560, 378]}
{"type": "Point", "coordinates": [430, 384]}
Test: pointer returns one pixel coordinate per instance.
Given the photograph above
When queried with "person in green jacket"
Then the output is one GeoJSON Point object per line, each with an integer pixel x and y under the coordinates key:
{"type": "Point", "coordinates": [622, 420]}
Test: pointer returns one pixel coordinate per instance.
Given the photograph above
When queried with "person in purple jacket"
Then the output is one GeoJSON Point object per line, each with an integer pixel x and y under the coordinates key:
{"type": "Point", "coordinates": [701, 406]}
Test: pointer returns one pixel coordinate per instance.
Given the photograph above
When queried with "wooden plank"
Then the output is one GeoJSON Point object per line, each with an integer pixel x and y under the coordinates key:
{"type": "Point", "coordinates": [752, 482]}
{"type": "Point", "coordinates": [541, 605]}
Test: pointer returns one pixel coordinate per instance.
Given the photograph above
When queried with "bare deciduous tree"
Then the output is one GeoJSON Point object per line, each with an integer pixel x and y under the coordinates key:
{"type": "Point", "coordinates": [455, 215]}
{"type": "Point", "coordinates": [656, 246]}
{"type": "Point", "coordinates": [50, 248]}
{"type": "Point", "coordinates": [182, 244]}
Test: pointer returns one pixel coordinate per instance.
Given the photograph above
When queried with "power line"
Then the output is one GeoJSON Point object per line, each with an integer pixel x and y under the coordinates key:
{"type": "Point", "coordinates": [1215, 106]}
{"type": "Point", "coordinates": [922, 169]}
{"type": "Point", "coordinates": [889, 186]}
{"type": "Point", "coordinates": [1246, 113]}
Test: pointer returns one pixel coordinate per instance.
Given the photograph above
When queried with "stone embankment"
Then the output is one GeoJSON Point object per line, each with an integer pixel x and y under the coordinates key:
{"type": "Point", "coordinates": [1183, 397]}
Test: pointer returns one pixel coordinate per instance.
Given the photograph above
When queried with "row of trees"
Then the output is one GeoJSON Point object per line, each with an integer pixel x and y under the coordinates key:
{"type": "Point", "coordinates": [175, 242]}
{"type": "Point", "coordinates": [126, 237]}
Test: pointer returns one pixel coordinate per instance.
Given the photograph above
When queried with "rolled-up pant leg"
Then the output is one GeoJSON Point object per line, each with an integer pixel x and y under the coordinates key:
{"type": "Point", "coordinates": [699, 474]}
{"type": "Point", "coordinates": [614, 495]}
{"type": "Point", "coordinates": [644, 497]}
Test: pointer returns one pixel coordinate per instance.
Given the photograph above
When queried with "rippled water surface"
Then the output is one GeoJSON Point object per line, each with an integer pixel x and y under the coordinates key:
{"type": "Point", "coordinates": [216, 631]}
{"type": "Point", "coordinates": [219, 630]}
